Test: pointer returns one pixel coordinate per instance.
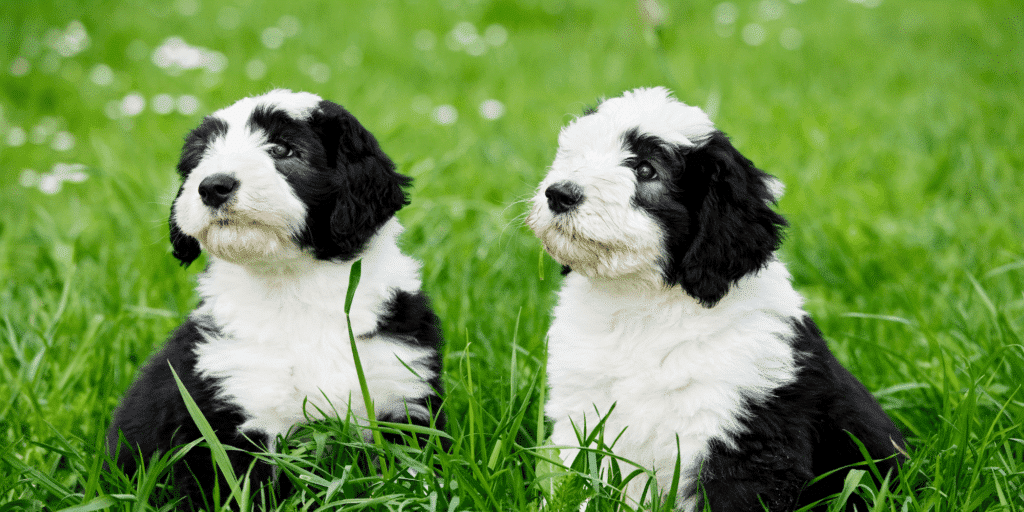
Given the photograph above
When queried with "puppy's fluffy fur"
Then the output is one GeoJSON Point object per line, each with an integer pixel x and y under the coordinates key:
{"type": "Point", "coordinates": [284, 192]}
{"type": "Point", "coordinates": [676, 310]}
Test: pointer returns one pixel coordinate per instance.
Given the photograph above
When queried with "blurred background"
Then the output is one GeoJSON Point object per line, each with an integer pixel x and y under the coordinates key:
{"type": "Point", "coordinates": [896, 126]}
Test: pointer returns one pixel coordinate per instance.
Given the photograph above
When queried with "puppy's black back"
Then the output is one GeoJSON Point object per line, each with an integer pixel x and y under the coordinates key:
{"type": "Point", "coordinates": [801, 432]}
{"type": "Point", "coordinates": [153, 418]}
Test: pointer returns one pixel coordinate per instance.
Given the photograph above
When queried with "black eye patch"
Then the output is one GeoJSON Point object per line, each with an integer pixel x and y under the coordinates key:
{"type": "Point", "coordinates": [644, 146]}
{"type": "Point", "coordinates": [197, 141]}
{"type": "Point", "coordinates": [295, 137]}
{"type": "Point", "coordinates": [659, 167]}
{"type": "Point", "coordinates": [665, 159]}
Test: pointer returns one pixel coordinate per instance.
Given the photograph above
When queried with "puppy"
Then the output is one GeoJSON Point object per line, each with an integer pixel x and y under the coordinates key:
{"type": "Point", "coordinates": [676, 310]}
{"type": "Point", "coordinates": [284, 192]}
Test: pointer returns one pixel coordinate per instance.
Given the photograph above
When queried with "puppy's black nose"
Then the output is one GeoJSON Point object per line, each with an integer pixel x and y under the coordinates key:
{"type": "Point", "coordinates": [216, 189]}
{"type": "Point", "coordinates": [563, 196]}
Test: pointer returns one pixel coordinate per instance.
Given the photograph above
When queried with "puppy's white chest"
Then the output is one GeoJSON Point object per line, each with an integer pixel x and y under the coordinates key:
{"type": "Point", "coordinates": [672, 369]}
{"type": "Point", "coordinates": [269, 372]}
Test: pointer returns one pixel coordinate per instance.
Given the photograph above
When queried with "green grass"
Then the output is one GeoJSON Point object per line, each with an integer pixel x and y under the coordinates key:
{"type": "Point", "coordinates": [897, 128]}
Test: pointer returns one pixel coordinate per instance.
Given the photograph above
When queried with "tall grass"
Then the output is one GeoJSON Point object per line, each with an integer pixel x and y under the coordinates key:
{"type": "Point", "coordinates": [897, 127]}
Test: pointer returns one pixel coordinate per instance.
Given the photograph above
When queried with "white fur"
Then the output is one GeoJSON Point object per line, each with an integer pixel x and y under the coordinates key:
{"type": "Point", "coordinates": [297, 104]}
{"type": "Point", "coordinates": [670, 366]}
{"type": "Point", "coordinates": [284, 337]}
{"type": "Point", "coordinates": [653, 110]}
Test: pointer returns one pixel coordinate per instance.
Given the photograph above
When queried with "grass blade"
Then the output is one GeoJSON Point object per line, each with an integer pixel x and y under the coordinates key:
{"type": "Point", "coordinates": [353, 283]}
{"type": "Point", "coordinates": [220, 455]}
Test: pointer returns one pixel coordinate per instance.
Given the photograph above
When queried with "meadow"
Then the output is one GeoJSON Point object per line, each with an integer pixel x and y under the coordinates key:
{"type": "Point", "coordinates": [896, 125]}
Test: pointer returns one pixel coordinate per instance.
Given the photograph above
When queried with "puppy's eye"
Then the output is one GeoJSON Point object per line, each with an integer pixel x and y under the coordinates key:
{"type": "Point", "coordinates": [645, 172]}
{"type": "Point", "coordinates": [280, 151]}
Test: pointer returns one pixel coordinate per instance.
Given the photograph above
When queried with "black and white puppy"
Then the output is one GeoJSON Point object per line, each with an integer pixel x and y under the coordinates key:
{"type": "Point", "coordinates": [284, 192]}
{"type": "Point", "coordinates": [676, 310]}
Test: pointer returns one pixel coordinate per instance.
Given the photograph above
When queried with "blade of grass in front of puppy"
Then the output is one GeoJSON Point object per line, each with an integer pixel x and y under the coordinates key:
{"type": "Point", "coordinates": [540, 264]}
{"type": "Point", "coordinates": [220, 455]}
{"type": "Point", "coordinates": [850, 485]}
{"type": "Point", "coordinates": [353, 283]}
{"type": "Point", "coordinates": [673, 490]}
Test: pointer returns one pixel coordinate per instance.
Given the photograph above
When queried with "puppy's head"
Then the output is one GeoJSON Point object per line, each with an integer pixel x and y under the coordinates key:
{"type": "Point", "coordinates": [644, 185]}
{"type": "Point", "coordinates": [276, 176]}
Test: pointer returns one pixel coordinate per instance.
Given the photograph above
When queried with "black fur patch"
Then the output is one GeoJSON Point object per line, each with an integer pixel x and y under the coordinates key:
{"type": "Point", "coordinates": [408, 317]}
{"type": "Point", "coordinates": [799, 433]}
{"type": "Point", "coordinates": [185, 248]}
{"type": "Point", "coordinates": [360, 191]}
{"type": "Point", "coordinates": [715, 208]}
{"type": "Point", "coordinates": [197, 141]}
{"type": "Point", "coordinates": [153, 418]}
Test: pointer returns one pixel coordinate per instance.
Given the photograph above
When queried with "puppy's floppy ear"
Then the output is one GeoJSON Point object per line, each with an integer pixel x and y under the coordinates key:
{"type": "Point", "coordinates": [368, 191]}
{"type": "Point", "coordinates": [733, 227]}
{"type": "Point", "coordinates": [186, 248]}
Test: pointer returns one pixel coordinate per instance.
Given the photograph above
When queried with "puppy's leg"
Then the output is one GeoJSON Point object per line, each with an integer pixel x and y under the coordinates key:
{"type": "Point", "coordinates": [195, 475]}
{"type": "Point", "coordinates": [753, 480]}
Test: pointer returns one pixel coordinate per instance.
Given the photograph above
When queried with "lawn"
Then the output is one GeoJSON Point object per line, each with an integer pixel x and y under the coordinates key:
{"type": "Point", "coordinates": [896, 125]}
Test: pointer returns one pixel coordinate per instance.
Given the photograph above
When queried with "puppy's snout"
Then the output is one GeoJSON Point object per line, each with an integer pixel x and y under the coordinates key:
{"type": "Point", "coordinates": [216, 189]}
{"type": "Point", "coordinates": [563, 196]}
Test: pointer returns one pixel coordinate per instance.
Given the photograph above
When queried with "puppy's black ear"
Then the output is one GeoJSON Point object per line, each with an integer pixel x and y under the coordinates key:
{"type": "Point", "coordinates": [368, 191]}
{"type": "Point", "coordinates": [186, 248]}
{"type": "Point", "coordinates": [733, 227]}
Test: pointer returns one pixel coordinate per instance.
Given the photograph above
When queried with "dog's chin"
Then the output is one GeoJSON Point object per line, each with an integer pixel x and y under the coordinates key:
{"type": "Point", "coordinates": [599, 258]}
{"type": "Point", "coordinates": [248, 243]}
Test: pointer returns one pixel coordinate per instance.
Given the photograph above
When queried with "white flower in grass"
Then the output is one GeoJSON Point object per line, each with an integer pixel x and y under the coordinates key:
{"type": "Point", "coordinates": [272, 38]}
{"type": "Point", "coordinates": [16, 136]}
{"type": "Point", "coordinates": [464, 33]}
{"type": "Point", "coordinates": [445, 115]}
{"type": "Point", "coordinates": [51, 182]}
{"type": "Point", "coordinates": [163, 104]}
{"type": "Point", "coordinates": [175, 55]}
{"type": "Point", "coordinates": [726, 13]}
{"type": "Point", "coordinates": [492, 109]}
{"type": "Point", "coordinates": [652, 12]}
{"type": "Point", "coordinates": [133, 104]}
{"type": "Point", "coordinates": [20, 66]}
{"type": "Point", "coordinates": [29, 178]}
{"type": "Point", "coordinates": [186, 7]}
{"type": "Point", "coordinates": [71, 41]}
{"type": "Point", "coordinates": [63, 141]}
{"type": "Point", "coordinates": [754, 34]}
{"type": "Point", "coordinates": [770, 9]}
{"type": "Point", "coordinates": [188, 104]}
{"type": "Point", "coordinates": [74, 173]}
{"type": "Point", "coordinates": [101, 75]}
